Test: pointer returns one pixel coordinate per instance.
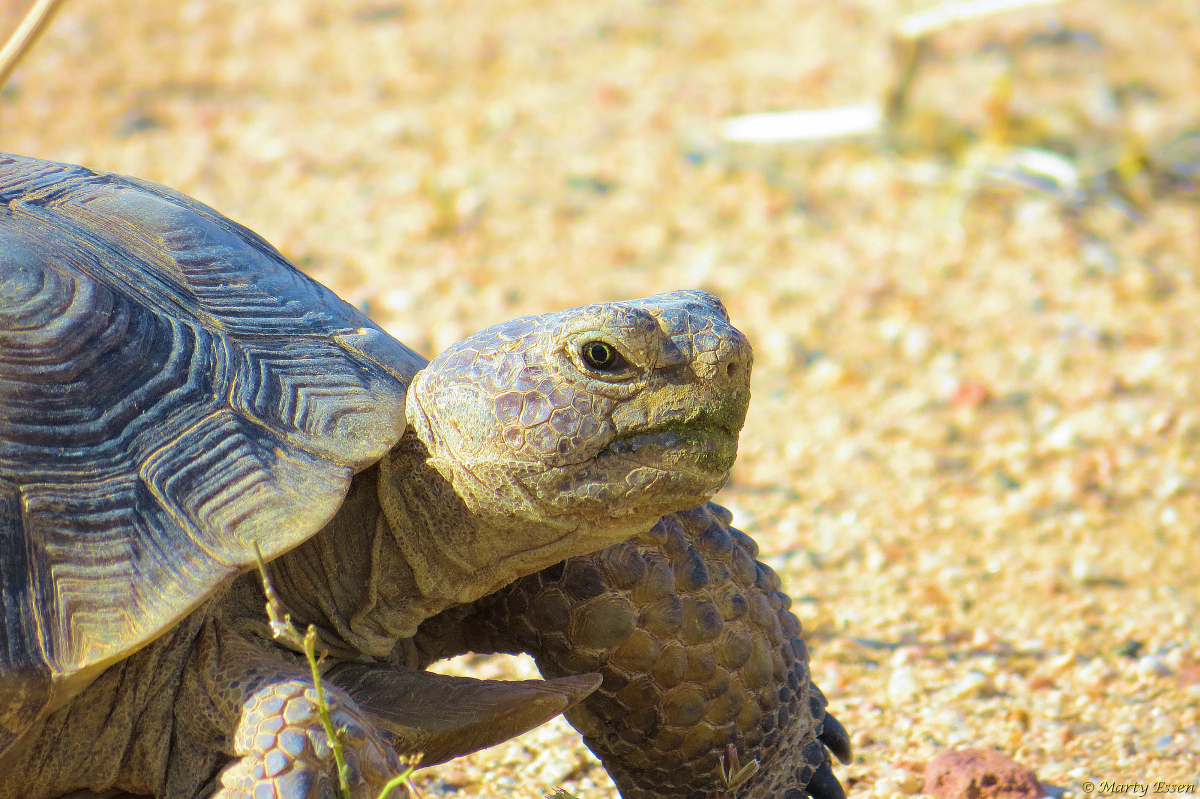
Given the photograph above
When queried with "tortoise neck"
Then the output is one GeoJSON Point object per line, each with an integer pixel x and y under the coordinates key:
{"type": "Point", "coordinates": [405, 546]}
{"type": "Point", "coordinates": [374, 572]}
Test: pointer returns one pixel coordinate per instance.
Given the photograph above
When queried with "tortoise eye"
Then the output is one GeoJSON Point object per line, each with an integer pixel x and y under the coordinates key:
{"type": "Point", "coordinates": [601, 356]}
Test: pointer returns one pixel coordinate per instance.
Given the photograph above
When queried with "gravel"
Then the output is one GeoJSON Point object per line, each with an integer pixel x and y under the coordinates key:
{"type": "Point", "coordinates": [972, 450]}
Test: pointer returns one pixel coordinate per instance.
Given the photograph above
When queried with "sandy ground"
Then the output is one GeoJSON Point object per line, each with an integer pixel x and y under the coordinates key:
{"type": "Point", "coordinates": [972, 450]}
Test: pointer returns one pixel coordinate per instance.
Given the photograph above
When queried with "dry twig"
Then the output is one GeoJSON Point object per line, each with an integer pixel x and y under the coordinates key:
{"type": "Point", "coordinates": [31, 27]}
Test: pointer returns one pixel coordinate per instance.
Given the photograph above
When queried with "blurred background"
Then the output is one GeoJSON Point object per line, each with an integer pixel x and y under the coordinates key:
{"type": "Point", "coordinates": [972, 449]}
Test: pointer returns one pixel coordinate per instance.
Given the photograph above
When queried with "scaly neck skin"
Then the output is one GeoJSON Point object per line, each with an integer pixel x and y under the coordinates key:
{"type": "Point", "coordinates": [459, 534]}
{"type": "Point", "coordinates": [403, 547]}
{"type": "Point", "coordinates": [469, 525]}
{"type": "Point", "coordinates": [353, 579]}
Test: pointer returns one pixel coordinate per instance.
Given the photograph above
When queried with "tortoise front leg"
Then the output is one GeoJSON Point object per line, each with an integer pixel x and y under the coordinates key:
{"type": "Point", "coordinates": [701, 660]}
{"type": "Point", "coordinates": [280, 745]}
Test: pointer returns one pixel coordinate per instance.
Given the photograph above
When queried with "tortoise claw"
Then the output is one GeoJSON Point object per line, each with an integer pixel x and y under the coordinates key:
{"type": "Point", "coordinates": [445, 717]}
{"type": "Point", "coordinates": [835, 737]}
{"type": "Point", "coordinates": [824, 785]}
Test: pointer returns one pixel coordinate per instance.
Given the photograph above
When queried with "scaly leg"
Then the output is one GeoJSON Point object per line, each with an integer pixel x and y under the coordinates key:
{"type": "Point", "coordinates": [703, 663]}
{"type": "Point", "coordinates": [284, 753]}
{"type": "Point", "coordinates": [280, 746]}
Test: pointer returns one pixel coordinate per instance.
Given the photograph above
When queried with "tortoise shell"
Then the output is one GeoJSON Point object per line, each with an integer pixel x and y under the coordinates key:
{"type": "Point", "coordinates": [173, 393]}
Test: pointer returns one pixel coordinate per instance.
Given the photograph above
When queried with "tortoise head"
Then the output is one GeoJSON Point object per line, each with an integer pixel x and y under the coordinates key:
{"type": "Point", "coordinates": [603, 416]}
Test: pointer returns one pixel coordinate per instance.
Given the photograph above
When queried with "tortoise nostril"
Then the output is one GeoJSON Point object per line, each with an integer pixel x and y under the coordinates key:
{"type": "Point", "coordinates": [733, 370]}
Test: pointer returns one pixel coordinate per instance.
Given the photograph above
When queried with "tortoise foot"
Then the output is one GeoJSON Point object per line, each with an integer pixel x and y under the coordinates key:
{"type": "Point", "coordinates": [285, 753]}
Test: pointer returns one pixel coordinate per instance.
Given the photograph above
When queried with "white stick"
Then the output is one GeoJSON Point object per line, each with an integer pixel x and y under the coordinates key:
{"type": "Point", "coordinates": [946, 14]}
{"type": "Point", "coordinates": [825, 123]}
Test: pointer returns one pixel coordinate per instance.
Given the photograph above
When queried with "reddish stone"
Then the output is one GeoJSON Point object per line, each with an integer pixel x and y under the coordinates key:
{"type": "Point", "coordinates": [1189, 675]}
{"type": "Point", "coordinates": [970, 394]}
{"type": "Point", "coordinates": [979, 774]}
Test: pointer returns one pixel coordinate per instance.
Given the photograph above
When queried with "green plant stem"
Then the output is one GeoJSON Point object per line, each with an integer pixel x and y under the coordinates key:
{"type": "Point", "coordinates": [283, 629]}
{"type": "Point", "coordinates": [404, 779]}
{"type": "Point", "coordinates": [334, 735]}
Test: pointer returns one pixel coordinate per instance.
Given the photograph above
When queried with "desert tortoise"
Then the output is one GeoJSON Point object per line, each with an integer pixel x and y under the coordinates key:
{"type": "Point", "coordinates": [174, 394]}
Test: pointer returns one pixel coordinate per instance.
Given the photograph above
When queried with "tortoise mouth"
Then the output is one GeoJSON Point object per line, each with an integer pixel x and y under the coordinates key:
{"type": "Point", "coordinates": [703, 446]}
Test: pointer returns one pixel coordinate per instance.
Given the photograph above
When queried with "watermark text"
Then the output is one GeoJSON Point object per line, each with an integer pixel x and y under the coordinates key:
{"type": "Point", "coordinates": [1138, 788]}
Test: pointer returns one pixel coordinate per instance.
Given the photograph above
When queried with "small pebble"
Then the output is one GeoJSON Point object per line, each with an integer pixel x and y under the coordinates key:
{"type": "Point", "coordinates": [903, 656]}
{"type": "Point", "coordinates": [552, 766]}
{"type": "Point", "coordinates": [1189, 676]}
{"type": "Point", "coordinates": [974, 684]}
{"type": "Point", "coordinates": [1176, 659]}
{"type": "Point", "coordinates": [909, 783]}
{"type": "Point", "coordinates": [826, 372]}
{"type": "Point", "coordinates": [1087, 572]}
{"type": "Point", "coordinates": [979, 774]}
{"type": "Point", "coordinates": [970, 394]}
{"type": "Point", "coordinates": [886, 787]}
{"type": "Point", "coordinates": [903, 684]}
{"type": "Point", "coordinates": [1152, 666]}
